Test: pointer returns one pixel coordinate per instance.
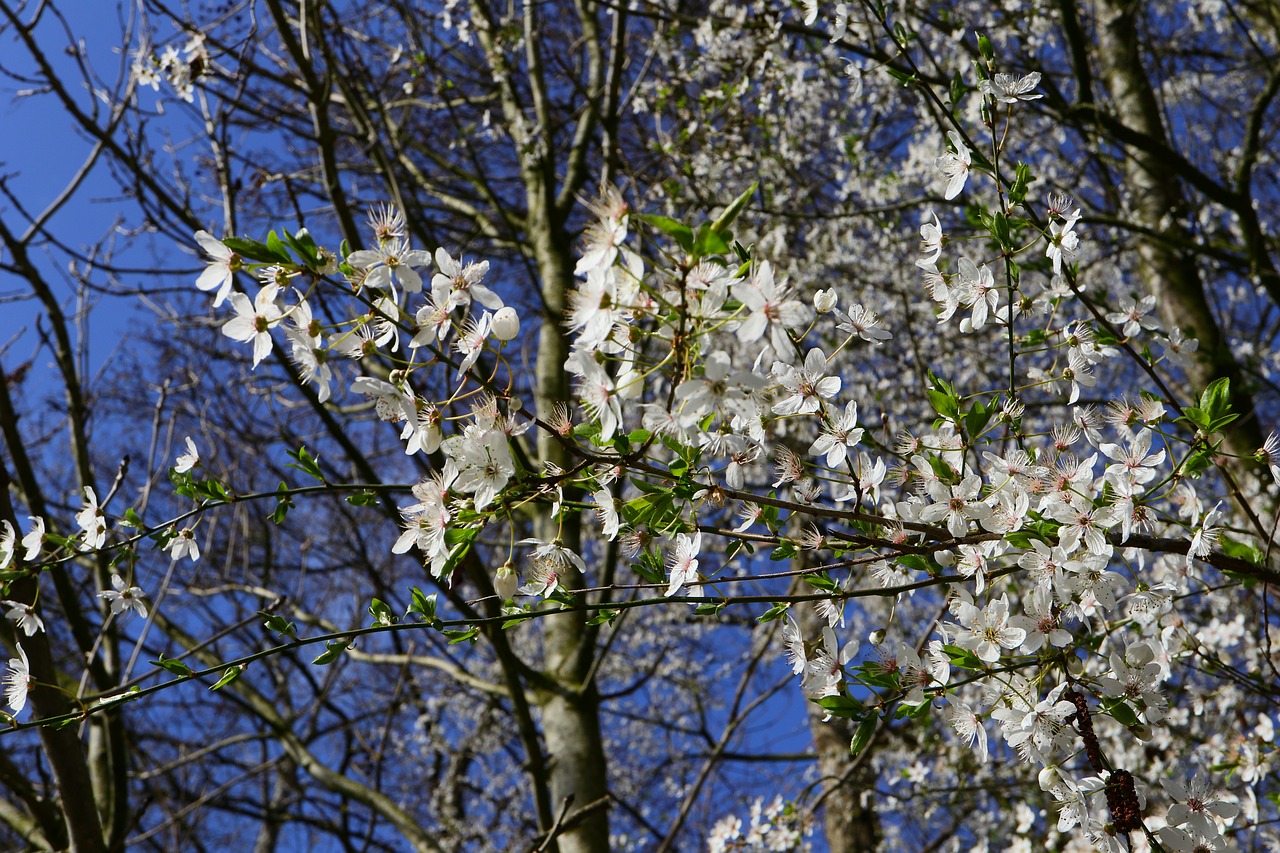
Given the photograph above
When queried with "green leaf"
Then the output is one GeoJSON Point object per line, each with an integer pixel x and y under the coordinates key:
{"type": "Point", "coordinates": [279, 625]}
{"type": "Point", "coordinates": [985, 48]}
{"type": "Point", "coordinates": [381, 613]}
{"type": "Point", "coordinates": [915, 712]}
{"type": "Point", "coordinates": [774, 612]}
{"type": "Point", "coordinates": [423, 604]}
{"type": "Point", "coordinates": [822, 581]}
{"type": "Point", "coordinates": [1122, 713]}
{"type": "Point", "coordinates": [250, 250]}
{"type": "Point", "coordinates": [964, 659]}
{"type": "Point", "coordinates": [603, 617]}
{"type": "Point", "coordinates": [278, 249]}
{"type": "Point", "coordinates": [1022, 181]}
{"type": "Point", "coordinates": [131, 519]}
{"type": "Point", "coordinates": [842, 706]}
{"type": "Point", "coordinates": [784, 551]}
{"type": "Point", "coordinates": [862, 736]}
{"type": "Point", "coordinates": [709, 242]}
{"type": "Point", "coordinates": [229, 675]}
{"type": "Point", "coordinates": [680, 232]}
{"type": "Point", "coordinates": [915, 562]}
{"type": "Point", "coordinates": [306, 463]}
{"type": "Point", "coordinates": [1216, 399]}
{"type": "Point", "coordinates": [710, 608]}
{"type": "Point", "coordinates": [902, 77]}
{"type": "Point", "coordinates": [943, 398]}
{"type": "Point", "coordinates": [1000, 230]}
{"type": "Point", "coordinates": [177, 667]}
{"type": "Point", "coordinates": [977, 419]}
{"type": "Point", "coordinates": [468, 636]}
{"type": "Point", "coordinates": [305, 246]}
{"type": "Point", "coordinates": [1246, 551]}
{"type": "Point", "coordinates": [284, 502]}
{"type": "Point", "coordinates": [362, 499]}
{"type": "Point", "coordinates": [333, 649]}
{"type": "Point", "coordinates": [733, 211]}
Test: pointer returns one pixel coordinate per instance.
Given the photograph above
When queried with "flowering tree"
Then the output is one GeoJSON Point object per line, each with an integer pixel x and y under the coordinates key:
{"type": "Point", "coordinates": [1039, 543]}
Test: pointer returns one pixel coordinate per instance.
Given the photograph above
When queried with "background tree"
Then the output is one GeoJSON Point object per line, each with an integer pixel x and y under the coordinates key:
{"type": "Point", "coordinates": [487, 126]}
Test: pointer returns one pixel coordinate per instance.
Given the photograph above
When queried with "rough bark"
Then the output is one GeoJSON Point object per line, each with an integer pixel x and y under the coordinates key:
{"type": "Point", "coordinates": [1159, 210]}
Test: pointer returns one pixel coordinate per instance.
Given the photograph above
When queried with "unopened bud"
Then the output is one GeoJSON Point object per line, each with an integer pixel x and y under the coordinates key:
{"type": "Point", "coordinates": [505, 582]}
{"type": "Point", "coordinates": [824, 301]}
{"type": "Point", "coordinates": [506, 323]}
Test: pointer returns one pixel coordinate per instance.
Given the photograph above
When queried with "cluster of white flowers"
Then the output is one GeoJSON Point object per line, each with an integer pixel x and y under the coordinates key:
{"type": "Point", "coordinates": [180, 68]}
{"type": "Point", "coordinates": [708, 367]}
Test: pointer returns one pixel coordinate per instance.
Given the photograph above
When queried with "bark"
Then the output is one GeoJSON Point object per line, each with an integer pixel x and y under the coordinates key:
{"type": "Point", "coordinates": [1159, 209]}
{"type": "Point", "coordinates": [849, 821]}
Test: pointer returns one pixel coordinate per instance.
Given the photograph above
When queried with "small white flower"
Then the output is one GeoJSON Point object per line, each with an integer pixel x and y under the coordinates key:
{"type": "Point", "coordinates": [1008, 89]}
{"type": "Point", "coordinates": [92, 521]}
{"type": "Point", "coordinates": [221, 270]}
{"type": "Point", "coordinates": [954, 165]}
{"type": "Point", "coordinates": [183, 544]}
{"type": "Point", "coordinates": [253, 320]}
{"type": "Point", "coordinates": [190, 459]}
{"type": "Point", "coordinates": [17, 682]}
{"type": "Point", "coordinates": [23, 617]}
{"type": "Point", "coordinates": [124, 597]}
{"type": "Point", "coordinates": [684, 565]}
{"type": "Point", "coordinates": [32, 542]}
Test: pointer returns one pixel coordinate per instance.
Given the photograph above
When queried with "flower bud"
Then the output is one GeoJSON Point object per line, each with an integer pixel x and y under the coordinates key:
{"type": "Point", "coordinates": [506, 581]}
{"type": "Point", "coordinates": [506, 323]}
{"type": "Point", "coordinates": [824, 301]}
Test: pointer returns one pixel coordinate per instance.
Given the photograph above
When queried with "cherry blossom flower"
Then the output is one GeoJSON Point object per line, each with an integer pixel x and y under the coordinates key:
{"type": "Point", "coordinates": [596, 388]}
{"type": "Point", "coordinates": [455, 285]}
{"type": "Point", "coordinates": [1196, 805]}
{"type": "Point", "coordinates": [607, 513]}
{"type": "Point", "coordinates": [986, 631]}
{"type": "Point", "coordinates": [805, 386]}
{"type": "Point", "coordinates": [931, 238]}
{"type": "Point", "coordinates": [861, 323]}
{"type": "Point", "coordinates": [92, 521]}
{"type": "Point", "coordinates": [683, 565]}
{"type": "Point", "coordinates": [8, 544]}
{"type": "Point", "coordinates": [956, 504]}
{"type": "Point", "coordinates": [124, 597]}
{"type": "Point", "coordinates": [1041, 623]}
{"type": "Point", "coordinates": [220, 273]}
{"type": "Point", "coordinates": [34, 540]}
{"type": "Point", "coordinates": [968, 726]}
{"type": "Point", "coordinates": [1133, 315]}
{"type": "Point", "coordinates": [1037, 732]}
{"type": "Point", "coordinates": [838, 435]}
{"type": "Point", "coordinates": [1063, 241]}
{"type": "Point", "coordinates": [770, 309]}
{"type": "Point", "coordinates": [186, 461]}
{"type": "Point", "coordinates": [23, 617]}
{"type": "Point", "coordinates": [183, 544]}
{"type": "Point", "coordinates": [825, 670]}
{"type": "Point", "coordinates": [1009, 89]}
{"type": "Point", "coordinates": [954, 165]}
{"type": "Point", "coordinates": [482, 459]}
{"type": "Point", "coordinates": [17, 681]}
{"type": "Point", "coordinates": [253, 320]}
{"type": "Point", "coordinates": [794, 644]}
{"type": "Point", "coordinates": [393, 261]}
{"type": "Point", "coordinates": [1136, 676]}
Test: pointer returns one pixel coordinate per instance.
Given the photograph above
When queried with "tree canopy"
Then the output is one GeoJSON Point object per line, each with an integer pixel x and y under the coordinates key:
{"type": "Point", "coordinates": [592, 426]}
